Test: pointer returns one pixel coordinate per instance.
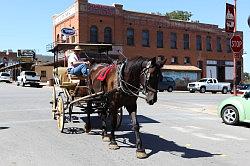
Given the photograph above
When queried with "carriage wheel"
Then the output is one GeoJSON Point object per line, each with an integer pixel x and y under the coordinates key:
{"type": "Point", "coordinates": [54, 104]}
{"type": "Point", "coordinates": [119, 118]}
{"type": "Point", "coordinates": [61, 115]}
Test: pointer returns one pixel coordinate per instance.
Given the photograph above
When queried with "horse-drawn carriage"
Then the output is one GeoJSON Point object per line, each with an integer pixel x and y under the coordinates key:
{"type": "Point", "coordinates": [121, 87]}
{"type": "Point", "coordinates": [71, 91]}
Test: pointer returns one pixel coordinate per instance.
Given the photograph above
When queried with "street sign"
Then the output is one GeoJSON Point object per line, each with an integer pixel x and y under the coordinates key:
{"type": "Point", "coordinates": [230, 18]}
{"type": "Point", "coordinates": [236, 43]}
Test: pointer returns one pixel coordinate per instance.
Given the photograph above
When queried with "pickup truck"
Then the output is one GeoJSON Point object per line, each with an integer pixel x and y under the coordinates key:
{"type": "Point", "coordinates": [209, 85]}
{"type": "Point", "coordinates": [28, 77]}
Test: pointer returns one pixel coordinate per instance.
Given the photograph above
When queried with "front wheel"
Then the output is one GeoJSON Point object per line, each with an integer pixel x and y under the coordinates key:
{"type": "Point", "coordinates": [230, 115]}
{"type": "Point", "coordinates": [170, 89]}
{"type": "Point", "coordinates": [61, 114]}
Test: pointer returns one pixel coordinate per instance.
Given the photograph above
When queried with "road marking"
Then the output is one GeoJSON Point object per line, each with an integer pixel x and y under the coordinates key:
{"type": "Point", "coordinates": [200, 135]}
{"type": "Point", "coordinates": [195, 127]}
{"type": "Point", "coordinates": [181, 129]}
{"type": "Point", "coordinates": [230, 137]}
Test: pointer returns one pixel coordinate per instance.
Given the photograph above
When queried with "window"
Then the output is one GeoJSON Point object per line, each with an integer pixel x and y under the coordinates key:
{"type": "Point", "coordinates": [93, 34]}
{"type": "Point", "coordinates": [208, 43]}
{"type": "Point", "coordinates": [186, 60]}
{"type": "Point", "coordinates": [73, 39]}
{"type": "Point", "coordinates": [145, 38]}
{"type": "Point", "coordinates": [159, 39]}
{"type": "Point", "coordinates": [218, 44]}
{"type": "Point", "coordinates": [130, 37]}
{"type": "Point", "coordinates": [174, 60]}
{"type": "Point", "coordinates": [173, 40]}
{"type": "Point", "coordinates": [186, 41]}
{"type": "Point", "coordinates": [228, 44]}
{"type": "Point", "coordinates": [107, 35]}
{"type": "Point", "coordinates": [43, 73]}
{"type": "Point", "coordinates": [198, 43]}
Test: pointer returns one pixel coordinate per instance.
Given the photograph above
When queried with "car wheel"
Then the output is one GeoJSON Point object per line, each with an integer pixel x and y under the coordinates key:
{"type": "Point", "coordinates": [230, 115]}
{"type": "Point", "coordinates": [224, 90]}
{"type": "Point", "coordinates": [17, 84]}
{"type": "Point", "coordinates": [170, 89]}
{"type": "Point", "coordinates": [203, 89]}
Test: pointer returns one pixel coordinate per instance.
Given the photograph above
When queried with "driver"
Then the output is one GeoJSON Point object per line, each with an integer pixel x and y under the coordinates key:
{"type": "Point", "coordinates": [76, 67]}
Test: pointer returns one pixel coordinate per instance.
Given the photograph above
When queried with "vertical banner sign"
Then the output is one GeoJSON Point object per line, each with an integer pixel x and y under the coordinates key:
{"type": "Point", "coordinates": [230, 18]}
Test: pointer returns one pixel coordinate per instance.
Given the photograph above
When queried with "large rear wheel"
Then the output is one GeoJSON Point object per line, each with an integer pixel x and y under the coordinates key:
{"type": "Point", "coordinates": [53, 102]}
{"type": "Point", "coordinates": [61, 114]}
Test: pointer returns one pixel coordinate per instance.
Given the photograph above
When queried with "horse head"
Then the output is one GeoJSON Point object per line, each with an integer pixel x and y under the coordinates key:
{"type": "Point", "coordinates": [151, 73]}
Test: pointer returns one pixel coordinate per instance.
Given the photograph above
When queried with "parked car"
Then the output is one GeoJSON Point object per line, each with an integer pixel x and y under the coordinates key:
{"type": "Point", "coordinates": [28, 77]}
{"type": "Point", "coordinates": [209, 85]}
{"type": "Point", "coordinates": [5, 77]}
{"type": "Point", "coordinates": [167, 83]}
{"type": "Point", "coordinates": [235, 109]}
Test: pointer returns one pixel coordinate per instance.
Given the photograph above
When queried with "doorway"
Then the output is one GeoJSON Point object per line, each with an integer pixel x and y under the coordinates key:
{"type": "Point", "coordinates": [221, 73]}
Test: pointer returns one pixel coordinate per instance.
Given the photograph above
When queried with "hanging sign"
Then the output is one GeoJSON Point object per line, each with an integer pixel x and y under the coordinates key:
{"type": "Point", "coordinates": [230, 18]}
{"type": "Point", "coordinates": [68, 31]}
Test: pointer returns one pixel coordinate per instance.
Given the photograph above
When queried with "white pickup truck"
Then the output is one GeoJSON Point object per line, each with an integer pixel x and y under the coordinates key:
{"type": "Point", "coordinates": [209, 85]}
{"type": "Point", "coordinates": [28, 77]}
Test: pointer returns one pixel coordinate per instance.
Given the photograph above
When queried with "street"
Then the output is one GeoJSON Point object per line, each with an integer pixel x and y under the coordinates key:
{"type": "Point", "coordinates": [182, 128]}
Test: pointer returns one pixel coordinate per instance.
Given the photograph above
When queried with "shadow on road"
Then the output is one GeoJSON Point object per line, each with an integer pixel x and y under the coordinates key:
{"type": "Point", "coordinates": [4, 128]}
{"type": "Point", "coordinates": [157, 144]}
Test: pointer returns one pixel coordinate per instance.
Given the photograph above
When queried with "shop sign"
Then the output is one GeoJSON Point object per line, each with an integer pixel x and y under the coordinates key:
{"type": "Point", "coordinates": [101, 9]}
{"type": "Point", "coordinates": [230, 18]}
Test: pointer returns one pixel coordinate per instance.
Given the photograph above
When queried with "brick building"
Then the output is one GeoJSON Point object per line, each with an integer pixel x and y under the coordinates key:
{"type": "Point", "coordinates": [204, 46]}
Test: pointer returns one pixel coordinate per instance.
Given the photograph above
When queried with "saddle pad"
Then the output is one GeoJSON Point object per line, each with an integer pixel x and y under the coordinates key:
{"type": "Point", "coordinates": [104, 72]}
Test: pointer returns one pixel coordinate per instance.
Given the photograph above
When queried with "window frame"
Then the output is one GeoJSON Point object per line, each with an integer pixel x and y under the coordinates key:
{"type": "Point", "coordinates": [145, 38]}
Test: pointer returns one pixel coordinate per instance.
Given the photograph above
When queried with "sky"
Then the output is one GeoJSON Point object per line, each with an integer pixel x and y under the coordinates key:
{"type": "Point", "coordinates": [27, 24]}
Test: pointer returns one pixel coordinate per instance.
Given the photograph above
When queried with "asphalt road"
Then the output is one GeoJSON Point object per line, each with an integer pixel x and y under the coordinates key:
{"type": "Point", "coordinates": [180, 129]}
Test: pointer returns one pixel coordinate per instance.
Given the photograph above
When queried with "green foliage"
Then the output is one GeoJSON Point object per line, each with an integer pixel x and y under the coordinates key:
{"type": "Point", "coordinates": [246, 77]}
{"type": "Point", "coordinates": [179, 15]}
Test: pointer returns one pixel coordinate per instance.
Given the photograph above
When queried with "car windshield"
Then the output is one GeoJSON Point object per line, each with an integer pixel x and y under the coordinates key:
{"type": "Point", "coordinates": [203, 80]}
{"type": "Point", "coordinates": [5, 74]}
{"type": "Point", "coordinates": [30, 73]}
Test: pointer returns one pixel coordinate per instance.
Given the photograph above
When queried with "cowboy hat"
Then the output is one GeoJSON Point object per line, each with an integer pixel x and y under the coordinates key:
{"type": "Point", "coordinates": [77, 48]}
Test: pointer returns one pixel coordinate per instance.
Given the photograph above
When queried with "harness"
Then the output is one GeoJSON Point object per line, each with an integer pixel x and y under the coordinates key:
{"type": "Point", "coordinates": [126, 87]}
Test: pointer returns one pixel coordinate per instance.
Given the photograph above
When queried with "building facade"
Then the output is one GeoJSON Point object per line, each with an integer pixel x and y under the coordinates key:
{"type": "Point", "coordinates": [204, 46]}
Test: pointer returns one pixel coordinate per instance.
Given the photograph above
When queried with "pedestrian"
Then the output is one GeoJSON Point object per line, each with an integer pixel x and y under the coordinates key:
{"type": "Point", "coordinates": [76, 67]}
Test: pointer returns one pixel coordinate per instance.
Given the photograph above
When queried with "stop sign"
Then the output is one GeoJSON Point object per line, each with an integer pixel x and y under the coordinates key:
{"type": "Point", "coordinates": [236, 43]}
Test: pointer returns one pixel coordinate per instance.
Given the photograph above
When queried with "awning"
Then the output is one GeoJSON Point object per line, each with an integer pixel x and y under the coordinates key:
{"type": "Point", "coordinates": [180, 68]}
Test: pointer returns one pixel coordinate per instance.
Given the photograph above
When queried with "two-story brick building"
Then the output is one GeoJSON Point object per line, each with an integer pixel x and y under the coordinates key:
{"type": "Point", "coordinates": [204, 46]}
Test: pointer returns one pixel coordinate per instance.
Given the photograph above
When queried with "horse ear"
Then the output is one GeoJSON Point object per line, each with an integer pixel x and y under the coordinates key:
{"type": "Point", "coordinates": [153, 61]}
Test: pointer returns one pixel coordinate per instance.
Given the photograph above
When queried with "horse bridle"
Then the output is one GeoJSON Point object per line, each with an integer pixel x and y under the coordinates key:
{"type": "Point", "coordinates": [123, 85]}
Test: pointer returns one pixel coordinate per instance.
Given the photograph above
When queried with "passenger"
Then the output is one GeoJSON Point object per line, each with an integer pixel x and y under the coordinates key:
{"type": "Point", "coordinates": [76, 67]}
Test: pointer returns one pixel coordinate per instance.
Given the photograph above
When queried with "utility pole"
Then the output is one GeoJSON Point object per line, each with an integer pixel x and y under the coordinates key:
{"type": "Point", "coordinates": [235, 72]}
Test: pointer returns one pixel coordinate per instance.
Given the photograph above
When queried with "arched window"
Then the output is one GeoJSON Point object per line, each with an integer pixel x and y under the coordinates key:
{"type": "Point", "coordinates": [130, 37]}
{"type": "Point", "coordinates": [107, 35]}
{"type": "Point", "coordinates": [93, 34]}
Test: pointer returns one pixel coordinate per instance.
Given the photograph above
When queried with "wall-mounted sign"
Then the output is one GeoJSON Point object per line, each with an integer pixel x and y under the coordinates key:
{"type": "Point", "coordinates": [101, 9]}
{"type": "Point", "coordinates": [230, 18]}
{"type": "Point", "coordinates": [26, 55]}
{"type": "Point", "coordinates": [68, 31]}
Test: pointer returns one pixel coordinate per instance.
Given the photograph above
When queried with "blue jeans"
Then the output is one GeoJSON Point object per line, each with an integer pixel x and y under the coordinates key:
{"type": "Point", "coordinates": [81, 69]}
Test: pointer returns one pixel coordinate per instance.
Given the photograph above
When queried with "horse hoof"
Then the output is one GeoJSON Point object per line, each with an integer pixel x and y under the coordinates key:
{"type": "Point", "coordinates": [141, 154]}
{"type": "Point", "coordinates": [105, 139]}
{"type": "Point", "coordinates": [113, 146]}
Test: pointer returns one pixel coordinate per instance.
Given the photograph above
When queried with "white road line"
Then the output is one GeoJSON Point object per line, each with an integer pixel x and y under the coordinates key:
{"type": "Point", "coordinates": [195, 127]}
{"type": "Point", "coordinates": [201, 135]}
{"type": "Point", "coordinates": [181, 129]}
{"type": "Point", "coordinates": [231, 137]}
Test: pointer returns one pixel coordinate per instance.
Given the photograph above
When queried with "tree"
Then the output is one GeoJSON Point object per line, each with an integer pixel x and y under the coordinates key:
{"type": "Point", "coordinates": [179, 15]}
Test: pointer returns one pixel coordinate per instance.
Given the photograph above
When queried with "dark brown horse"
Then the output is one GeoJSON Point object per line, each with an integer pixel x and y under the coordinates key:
{"type": "Point", "coordinates": [122, 86]}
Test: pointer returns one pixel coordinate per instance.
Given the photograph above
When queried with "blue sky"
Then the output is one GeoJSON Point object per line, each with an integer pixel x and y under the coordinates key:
{"type": "Point", "coordinates": [28, 23]}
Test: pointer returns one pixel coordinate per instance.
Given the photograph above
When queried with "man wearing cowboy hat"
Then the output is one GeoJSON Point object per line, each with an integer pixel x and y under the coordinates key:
{"type": "Point", "coordinates": [74, 66]}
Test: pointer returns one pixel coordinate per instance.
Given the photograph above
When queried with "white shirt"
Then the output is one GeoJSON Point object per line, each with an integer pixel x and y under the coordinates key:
{"type": "Point", "coordinates": [72, 58]}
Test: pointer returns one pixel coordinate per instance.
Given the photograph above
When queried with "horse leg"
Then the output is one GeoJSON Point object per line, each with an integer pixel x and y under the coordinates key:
{"type": "Point", "coordinates": [113, 144]}
{"type": "Point", "coordinates": [88, 123]}
{"type": "Point", "coordinates": [105, 137]}
{"type": "Point", "coordinates": [140, 152]}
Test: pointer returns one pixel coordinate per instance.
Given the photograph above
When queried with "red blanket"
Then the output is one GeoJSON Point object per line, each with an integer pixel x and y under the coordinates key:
{"type": "Point", "coordinates": [104, 72]}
